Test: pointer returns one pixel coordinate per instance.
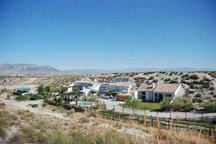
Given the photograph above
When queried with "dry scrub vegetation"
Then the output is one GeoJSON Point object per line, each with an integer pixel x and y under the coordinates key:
{"type": "Point", "coordinates": [21, 126]}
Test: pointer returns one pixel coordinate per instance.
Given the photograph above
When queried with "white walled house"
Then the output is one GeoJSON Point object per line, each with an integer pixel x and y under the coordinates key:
{"type": "Point", "coordinates": [79, 84]}
{"type": "Point", "coordinates": [157, 92]}
{"type": "Point", "coordinates": [107, 87]}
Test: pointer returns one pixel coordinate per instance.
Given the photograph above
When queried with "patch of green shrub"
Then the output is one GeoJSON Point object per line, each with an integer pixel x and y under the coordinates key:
{"type": "Point", "coordinates": [210, 106]}
{"type": "Point", "coordinates": [35, 97]}
{"type": "Point", "coordinates": [22, 98]}
{"type": "Point", "coordinates": [91, 98]}
{"type": "Point", "coordinates": [29, 97]}
{"type": "Point", "coordinates": [194, 77]}
{"type": "Point", "coordinates": [178, 104]}
{"type": "Point", "coordinates": [83, 120]}
{"type": "Point", "coordinates": [165, 104]}
{"type": "Point", "coordinates": [182, 104]}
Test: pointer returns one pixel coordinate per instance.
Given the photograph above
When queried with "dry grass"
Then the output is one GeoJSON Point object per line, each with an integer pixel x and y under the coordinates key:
{"type": "Point", "coordinates": [83, 129]}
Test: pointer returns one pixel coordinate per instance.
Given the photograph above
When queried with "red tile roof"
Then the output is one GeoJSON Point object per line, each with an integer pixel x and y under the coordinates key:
{"type": "Point", "coordinates": [166, 87]}
{"type": "Point", "coordinates": [159, 87]}
{"type": "Point", "coordinates": [145, 87]}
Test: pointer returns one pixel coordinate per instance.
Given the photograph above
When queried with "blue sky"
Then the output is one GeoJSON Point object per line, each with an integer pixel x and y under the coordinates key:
{"type": "Point", "coordinates": [109, 34]}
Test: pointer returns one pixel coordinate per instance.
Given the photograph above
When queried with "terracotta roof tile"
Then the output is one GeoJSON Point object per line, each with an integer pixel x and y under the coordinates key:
{"type": "Point", "coordinates": [166, 87]}
{"type": "Point", "coordinates": [145, 87]}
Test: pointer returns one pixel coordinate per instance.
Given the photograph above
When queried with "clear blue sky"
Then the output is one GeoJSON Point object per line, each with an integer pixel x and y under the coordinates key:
{"type": "Point", "coordinates": [111, 34]}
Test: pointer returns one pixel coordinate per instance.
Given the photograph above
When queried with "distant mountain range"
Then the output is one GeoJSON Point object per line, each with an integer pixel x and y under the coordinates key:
{"type": "Point", "coordinates": [9, 69]}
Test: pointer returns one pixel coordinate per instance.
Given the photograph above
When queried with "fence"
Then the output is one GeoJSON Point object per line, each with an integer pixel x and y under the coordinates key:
{"type": "Point", "coordinates": [165, 123]}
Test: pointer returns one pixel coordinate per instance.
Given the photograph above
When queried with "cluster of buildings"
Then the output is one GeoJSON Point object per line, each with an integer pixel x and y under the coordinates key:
{"type": "Point", "coordinates": [125, 86]}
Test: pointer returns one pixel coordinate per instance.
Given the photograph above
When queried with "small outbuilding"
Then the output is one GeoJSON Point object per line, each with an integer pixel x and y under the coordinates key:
{"type": "Point", "coordinates": [20, 91]}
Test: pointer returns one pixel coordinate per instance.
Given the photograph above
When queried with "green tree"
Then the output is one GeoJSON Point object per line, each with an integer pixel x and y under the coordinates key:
{"type": "Point", "coordinates": [47, 89]}
{"type": "Point", "coordinates": [63, 90]}
{"type": "Point", "coordinates": [76, 90]}
{"type": "Point", "coordinates": [92, 92]}
{"type": "Point", "coordinates": [40, 89]}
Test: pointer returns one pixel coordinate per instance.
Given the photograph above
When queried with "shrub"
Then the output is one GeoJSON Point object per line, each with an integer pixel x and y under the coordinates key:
{"type": "Point", "coordinates": [91, 98]}
{"type": "Point", "coordinates": [165, 104]}
{"type": "Point", "coordinates": [44, 105]}
{"type": "Point", "coordinates": [22, 98]}
{"type": "Point", "coordinates": [83, 120]}
{"type": "Point", "coordinates": [4, 123]}
{"type": "Point", "coordinates": [167, 79]}
{"type": "Point", "coordinates": [210, 106]}
{"type": "Point", "coordinates": [206, 79]}
{"type": "Point", "coordinates": [151, 78]}
{"type": "Point", "coordinates": [192, 86]}
{"type": "Point", "coordinates": [35, 97]}
{"type": "Point", "coordinates": [206, 85]}
{"type": "Point", "coordinates": [174, 82]}
{"type": "Point", "coordinates": [28, 135]}
{"type": "Point", "coordinates": [182, 104]}
{"type": "Point", "coordinates": [155, 81]}
{"type": "Point", "coordinates": [194, 77]}
{"type": "Point", "coordinates": [33, 105]}
{"type": "Point", "coordinates": [198, 95]}
{"type": "Point", "coordinates": [178, 104]}
{"type": "Point", "coordinates": [212, 88]}
{"type": "Point", "coordinates": [185, 76]}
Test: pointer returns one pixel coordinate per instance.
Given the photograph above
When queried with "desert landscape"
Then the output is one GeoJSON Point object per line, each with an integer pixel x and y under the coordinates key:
{"type": "Point", "coordinates": [23, 121]}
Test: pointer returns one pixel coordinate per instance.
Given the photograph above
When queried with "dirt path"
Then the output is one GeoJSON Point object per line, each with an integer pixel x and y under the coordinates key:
{"type": "Point", "coordinates": [110, 104]}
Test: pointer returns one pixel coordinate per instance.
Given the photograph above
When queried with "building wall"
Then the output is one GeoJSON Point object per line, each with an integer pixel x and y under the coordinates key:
{"type": "Point", "coordinates": [164, 94]}
{"type": "Point", "coordinates": [180, 91]}
{"type": "Point", "coordinates": [150, 96]}
{"type": "Point", "coordinates": [70, 89]}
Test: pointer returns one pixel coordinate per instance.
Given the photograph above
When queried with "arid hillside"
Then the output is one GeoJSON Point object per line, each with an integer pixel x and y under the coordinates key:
{"type": "Point", "coordinates": [200, 86]}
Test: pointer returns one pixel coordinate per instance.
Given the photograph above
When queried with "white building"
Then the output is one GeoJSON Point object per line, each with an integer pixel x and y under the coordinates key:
{"type": "Point", "coordinates": [80, 85]}
{"type": "Point", "coordinates": [156, 92]}
{"type": "Point", "coordinates": [107, 87]}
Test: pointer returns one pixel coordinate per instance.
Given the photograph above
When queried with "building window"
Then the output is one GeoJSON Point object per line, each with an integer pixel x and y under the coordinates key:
{"type": "Point", "coordinates": [143, 93]}
{"type": "Point", "coordinates": [168, 95]}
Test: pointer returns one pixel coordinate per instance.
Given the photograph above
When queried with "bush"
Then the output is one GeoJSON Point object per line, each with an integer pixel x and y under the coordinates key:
{"type": "Point", "coordinates": [178, 104]}
{"type": "Point", "coordinates": [29, 135]}
{"type": "Point", "coordinates": [83, 120]}
{"type": "Point", "coordinates": [206, 85]}
{"type": "Point", "coordinates": [167, 79]}
{"type": "Point", "coordinates": [210, 106]}
{"type": "Point", "coordinates": [44, 105]}
{"type": "Point", "coordinates": [91, 98]}
{"type": "Point", "coordinates": [29, 97]}
{"type": "Point", "coordinates": [22, 98]}
{"type": "Point", "coordinates": [194, 77]}
{"type": "Point", "coordinates": [35, 97]}
{"type": "Point", "coordinates": [165, 104]}
{"type": "Point", "coordinates": [192, 86]}
{"type": "Point", "coordinates": [212, 88]}
{"type": "Point", "coordinates": [5, 119]}
{"type": "Point", "coordinates": [33, 105]}
{"type": "Point", "coordinates": [182, 104]}
{"type": "Point", "coordinates": [174, 82]}
{"type": "Point", "coordinates": [151, 78]}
